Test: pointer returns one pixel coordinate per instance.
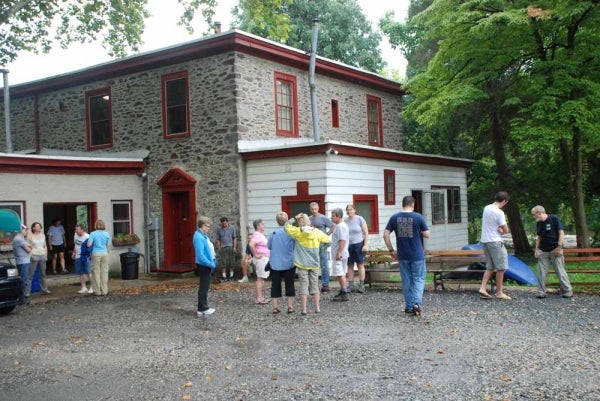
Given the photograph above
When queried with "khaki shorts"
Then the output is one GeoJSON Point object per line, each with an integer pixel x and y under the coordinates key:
{"type": "Point", "coordinates": [496, 257]}
{"type": "Point", "coordinates": [259, 266]}
{"type": "Point", "coordinates": [309, 281]}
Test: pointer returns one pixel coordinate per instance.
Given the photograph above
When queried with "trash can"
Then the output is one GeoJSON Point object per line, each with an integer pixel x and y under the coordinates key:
{"type": "Point", "coordinates": [129, 265]}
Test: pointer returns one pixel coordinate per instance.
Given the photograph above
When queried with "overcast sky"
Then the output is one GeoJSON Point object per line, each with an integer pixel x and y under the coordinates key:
{"type": "Point", "coordinates": [162, 31]}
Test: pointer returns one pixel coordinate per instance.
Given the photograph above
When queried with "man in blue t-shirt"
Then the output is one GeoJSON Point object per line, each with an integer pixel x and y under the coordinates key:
{"type": "Point", "coordinates": [409, 227]}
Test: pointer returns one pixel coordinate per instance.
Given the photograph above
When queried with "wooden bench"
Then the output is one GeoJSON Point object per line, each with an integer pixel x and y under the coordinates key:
{"type": "Point", "coordinates": [580, 255]}
{"type": "Point", "coordinates": [443, 262]}
{"type": "Point", "coordinates": [439, 262]}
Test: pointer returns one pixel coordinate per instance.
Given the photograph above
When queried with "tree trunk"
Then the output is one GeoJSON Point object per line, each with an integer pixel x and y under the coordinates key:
{"type": "Point", "coordinates": [573, 162]}
{"type": "Point", "coordinates": [520, 241]}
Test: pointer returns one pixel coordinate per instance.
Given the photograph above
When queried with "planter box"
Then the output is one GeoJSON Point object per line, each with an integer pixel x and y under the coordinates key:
{"type": "Point", "coordinates": [124, 242]}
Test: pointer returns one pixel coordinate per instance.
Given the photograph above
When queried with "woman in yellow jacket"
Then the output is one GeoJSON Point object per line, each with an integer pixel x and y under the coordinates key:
{"type": "Point", "coordinates": [306, 257]}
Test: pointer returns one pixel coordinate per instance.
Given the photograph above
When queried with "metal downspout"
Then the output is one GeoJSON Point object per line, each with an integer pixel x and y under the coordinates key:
{"type": "Point", "coordinates": [311, 79]}
{"type": "Point", "coordinates": [9, 146]}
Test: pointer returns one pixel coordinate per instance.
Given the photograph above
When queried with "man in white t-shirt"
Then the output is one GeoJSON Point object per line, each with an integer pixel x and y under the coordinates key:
{"type": "Point", "coordinates": [493, 225]}
{"type": "Point", "coordinates": [82, 262]}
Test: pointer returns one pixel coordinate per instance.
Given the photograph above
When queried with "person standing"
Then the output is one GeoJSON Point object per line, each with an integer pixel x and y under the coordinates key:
{"type": "Point", "coordinates": [82, 261]}
{"type": "Point", "coordinates": [57, 245]}
{"type": "Point", "coordinates": [204, 252]}
{"type": "Point", "coordinates": [226, 248]}
{"type": "Point", "coordinates": [340, 240]}
{"type": "Point", "coordinates": [258, 247]}
{"type": "Point", "coordinates": [493, 225]}
{"type": "Point", "coordinates": [549, 250]}
{"type": "Point", "coordinates": [306, 257]}
{"type": "Point", "coordinates": [99, 240]}
{"type": "Point", "coordinates": [410, 228]}
{"type": "Point", "coordinates": [323, 223]}
{"type": "Point", "coordinates": [359, 239]}
{"type": "Point", "coordinates": [39, 256]}
{"type": "Point", "coordinates": [22, 252]}
{"type": "Point", "coordinates": [281, 259]}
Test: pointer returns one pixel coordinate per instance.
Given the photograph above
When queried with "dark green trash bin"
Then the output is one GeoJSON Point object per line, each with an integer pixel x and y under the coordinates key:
{"type": "Point", "coordinates": [129, 265]}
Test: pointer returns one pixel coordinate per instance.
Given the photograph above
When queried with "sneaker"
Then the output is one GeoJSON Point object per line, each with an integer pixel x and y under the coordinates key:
{"type": "Point", "coordinates": [243, 279]}
{"type": "Point", "coordinates": [350, 288]}
{"type": "Point", "coordinates": [91, 290]}
{"type": "Point", "coordinates": [541, 295]}
{"type": "Point", "coordinates": [223, 280]}
{"type": "Point", "coordinates": [209, 311]}
{"type": "Point", "coordinates": [342, 296]}
{"type": "Point", "coordinates": [408, 311]}
{"type": "Point", "coordinates": [503, 297]}
{"type": "Point", "coordinates": [568, 294]}
{"type": "Point", "coordinates": [46, 292]}
{"type": "Point", "coordinates": [325, 289]}
{"type": "Point", "coordinates": [361, 289]}
{"type": "Point", "coordinates": [83, 291]}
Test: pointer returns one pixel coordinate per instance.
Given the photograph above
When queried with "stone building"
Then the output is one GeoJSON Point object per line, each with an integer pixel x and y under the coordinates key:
{"type": "Point", "coordinates": [197, 114]}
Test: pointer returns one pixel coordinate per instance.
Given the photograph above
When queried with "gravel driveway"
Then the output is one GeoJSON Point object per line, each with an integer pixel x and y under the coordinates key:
{"type": "Point", "coordinates": [151, 346]}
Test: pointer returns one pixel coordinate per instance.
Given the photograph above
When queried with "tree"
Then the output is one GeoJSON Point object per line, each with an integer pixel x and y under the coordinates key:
{"type": "Point", "coordinates": [27, 25]}
{"type": "Point", "coordinates": [528, 76]}
{"type": "Point", "coordinates": [344, 32]}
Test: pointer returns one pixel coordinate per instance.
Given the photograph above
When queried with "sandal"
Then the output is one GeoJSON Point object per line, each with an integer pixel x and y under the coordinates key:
{"type": "Point", "coordinates": [262, 302]}
{"type": "Point", "coordinates": [484, 295]}
{"type": "Point", "coordinates": [276, 311]}
{"type": "Point", "coordinates": [291, 310]}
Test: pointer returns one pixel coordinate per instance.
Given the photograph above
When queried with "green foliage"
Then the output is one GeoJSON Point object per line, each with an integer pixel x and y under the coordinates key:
{"type": "Point", "coordinates": [40, 25]}
{"type": "Point", "coordinates": [344, 32]}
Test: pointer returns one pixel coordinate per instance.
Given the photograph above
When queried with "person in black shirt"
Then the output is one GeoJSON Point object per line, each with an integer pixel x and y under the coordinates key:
{"type": "Point", "coordinates": [549, 249]}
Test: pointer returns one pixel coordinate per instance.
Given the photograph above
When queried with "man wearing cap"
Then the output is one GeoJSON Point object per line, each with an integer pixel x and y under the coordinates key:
{"type": "Point", "coordinates": [21, 251]}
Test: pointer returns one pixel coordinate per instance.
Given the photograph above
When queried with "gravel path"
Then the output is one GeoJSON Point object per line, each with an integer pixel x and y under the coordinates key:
{"type": "Point", "coordinates": [151, 346]}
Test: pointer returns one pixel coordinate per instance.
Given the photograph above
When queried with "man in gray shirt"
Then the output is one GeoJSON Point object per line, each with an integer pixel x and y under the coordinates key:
{"type": "Point", "coordinates": [226, 248]}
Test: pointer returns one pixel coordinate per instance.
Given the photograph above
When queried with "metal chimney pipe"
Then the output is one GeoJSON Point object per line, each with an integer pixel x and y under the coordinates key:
{"type": "Point", "coordinates": [9, 147]}
{"type": "Point", "coordinates": [311, 79]}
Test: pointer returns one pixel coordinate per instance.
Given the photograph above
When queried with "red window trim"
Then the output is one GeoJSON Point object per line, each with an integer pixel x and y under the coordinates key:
{"type": "Point", "coordinates": [335, 113]}
{"type": "Point", "coordinates": [163, 92]}
{"type": "Point", "coordinates": [376, 100]}
{"type": "Point", "coordinates": [95, 93]}
{"type": "Point", "coordinates": [302, 195]}
{"type": "Point", "coordinates": [374, 217]}
{"type": "Point", "coordinates": [279, 76]}
{"type": "Point", "coordinates": [386, 175]}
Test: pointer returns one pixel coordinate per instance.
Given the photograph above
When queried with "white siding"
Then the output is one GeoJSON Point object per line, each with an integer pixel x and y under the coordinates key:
{"type": "Point", "coordinates": [339, 177]}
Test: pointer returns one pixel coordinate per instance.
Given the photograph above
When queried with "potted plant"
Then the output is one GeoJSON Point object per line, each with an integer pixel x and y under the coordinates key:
{"type": "Point", "coordinates": [125, 239]}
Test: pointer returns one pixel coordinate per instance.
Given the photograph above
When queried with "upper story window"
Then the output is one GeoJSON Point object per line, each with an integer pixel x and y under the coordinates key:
{"type": "Point", "coordinates": [286, 105]}
{"type": "Point", "coordinates": [122, 217]}
{"type": "Point", "coordinates": [99, 119]}
{"type": "Point", "coordinates": [452, 194]}
{"type": "Point", "coordinates": [389, 187]}
{"type": "Point", "coordinates": [335, 114]}
{"type": "Point", "coordinates": [374, 121]}
{"type": "Point", "coordinates": [175, 105]}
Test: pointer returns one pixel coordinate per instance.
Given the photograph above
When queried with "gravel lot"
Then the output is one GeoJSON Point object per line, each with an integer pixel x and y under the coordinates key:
{"type": "Point", "coordinates": [151, 346]}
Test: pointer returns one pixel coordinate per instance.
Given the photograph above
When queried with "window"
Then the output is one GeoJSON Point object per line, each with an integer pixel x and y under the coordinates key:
{"type": "Point", "coordinates": [366, 207]}
{"type": "Point", "coordinates": [17, 206]}
{"type": "Point", "coordinates": [389, 187]}
{"type": "Point", "coordinates": [99, 119]}
{"type": "Point", "coordinates": [286, 105]}
{"type": "Point", "coordinates": [122, 217]}
{"type": "Point", "coordinates": [335, 114]}
{"type": "Point", "coordinates": [452, 194]}
{"type": "Point", "coordinates": [374, 121]}
{"type": "Point", "coordinates": [175, 105]}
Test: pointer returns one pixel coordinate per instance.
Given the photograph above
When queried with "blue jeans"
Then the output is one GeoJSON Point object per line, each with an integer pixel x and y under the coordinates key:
{"type": "Point", "coordinates": [413, 282]}
{"type": "Point", "coordinates": [24, 273]}
{"type": "Point", "coordinates": [324, 266]}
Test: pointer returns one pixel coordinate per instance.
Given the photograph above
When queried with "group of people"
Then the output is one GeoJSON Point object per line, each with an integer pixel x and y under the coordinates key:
{"type": "Point", "coordinates": [90, 254]}
{"type": "Point", "coordinates": [298, 247]}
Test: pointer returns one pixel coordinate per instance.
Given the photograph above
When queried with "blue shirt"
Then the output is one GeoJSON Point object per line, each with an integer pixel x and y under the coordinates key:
{"type": "Point", "coordinates": [204, 255]}
{"type": "Point", "coordinates": [282, 249]}
{"type": "Point", "coordinates": [408, 227]}
{"type": "Point", "coordinates": [321, 222]}
{"type": "Point", "coordinates": [99, 240]}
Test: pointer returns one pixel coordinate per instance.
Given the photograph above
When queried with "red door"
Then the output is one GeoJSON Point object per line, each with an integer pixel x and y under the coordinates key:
{"type": "Point", "coordinates": [183, 251]}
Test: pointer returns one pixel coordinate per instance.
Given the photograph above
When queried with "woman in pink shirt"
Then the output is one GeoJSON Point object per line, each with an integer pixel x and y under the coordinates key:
{"type": "Point", "coordinates": [258, 246]}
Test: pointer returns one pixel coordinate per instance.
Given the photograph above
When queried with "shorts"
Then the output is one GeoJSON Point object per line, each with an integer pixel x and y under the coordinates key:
{"type": "Point", "coordinates": [339, 268]}
{"type": "Point", "coordinates": [259, 267]}
{"type": "Point", "coordinates": [225, 256]}
{"type": "Point", "coordinates": [83, 267]}
{"type": "Point", "coordinates": [309, 281]}
{"type": "Point", "coordinates": [57, 249]}
{"type": "Point", "coordinates": [356, 254]}
{"type": "Point", "coordinates": [248, 251]}
{"type": "Point", "coordinates": [496, 257]}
